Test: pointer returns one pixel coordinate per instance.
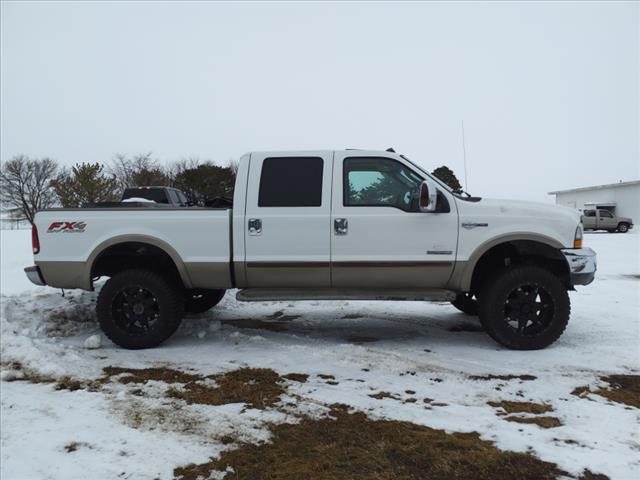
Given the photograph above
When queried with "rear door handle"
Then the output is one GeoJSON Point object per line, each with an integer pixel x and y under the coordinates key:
{"type": "Point", "coordinates": [340, 226]}
{"type": "Point", "coordinates": [255, 226]}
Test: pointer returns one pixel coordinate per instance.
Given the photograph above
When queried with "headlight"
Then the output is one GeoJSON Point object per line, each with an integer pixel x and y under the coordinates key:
{"type": "Point", "coordinates": [577, 240]}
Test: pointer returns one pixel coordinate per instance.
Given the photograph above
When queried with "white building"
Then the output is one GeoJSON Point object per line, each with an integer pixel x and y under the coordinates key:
{"type": "Point", "coordinates": [622, 198]}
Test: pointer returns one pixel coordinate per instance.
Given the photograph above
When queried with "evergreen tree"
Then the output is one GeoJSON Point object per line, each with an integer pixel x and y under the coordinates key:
{"type": "Point", "coordinates": [445, 174]}
{"type": "Point", "coordinates": [85, 183]}
{"type": "Point", "coordinates": [205, 181]}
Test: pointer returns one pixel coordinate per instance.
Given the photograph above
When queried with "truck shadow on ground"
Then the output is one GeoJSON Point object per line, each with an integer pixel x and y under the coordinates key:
{"type": "Point", "coordinates": [356, 329]}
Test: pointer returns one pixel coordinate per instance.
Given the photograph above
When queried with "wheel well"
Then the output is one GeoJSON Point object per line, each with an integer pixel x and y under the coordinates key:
{"type": "Point", "coordinates": [520, 252]}
{"type": "Point", "coordinates": [127, 255]}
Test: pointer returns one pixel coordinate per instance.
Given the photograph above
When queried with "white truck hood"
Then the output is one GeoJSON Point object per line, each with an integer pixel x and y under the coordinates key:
{"type": "Point", "coordinates": [508, 217]}
{"type": "Point", "coordinates": [540, 210]}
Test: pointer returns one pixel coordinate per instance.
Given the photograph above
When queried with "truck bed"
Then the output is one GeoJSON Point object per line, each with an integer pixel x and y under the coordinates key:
{"type": "Point", "coordinates": [197, 239]}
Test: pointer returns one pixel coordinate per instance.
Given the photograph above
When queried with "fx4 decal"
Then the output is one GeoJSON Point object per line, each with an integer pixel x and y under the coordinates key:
{"type": "Point", "coordinates": [67, 227]}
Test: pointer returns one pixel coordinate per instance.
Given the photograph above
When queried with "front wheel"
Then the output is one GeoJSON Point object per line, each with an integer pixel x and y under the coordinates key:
{"type": "Point", "coordinates": [466, 303]}
{"type": "Point", "coordinates": [525, 308]}
{"type": "Point", "coordinates": [139, 308]}
{"type": "Point", "coordinates": [623, 228]}
{"type": "Point", "coordinates": [199, 300]}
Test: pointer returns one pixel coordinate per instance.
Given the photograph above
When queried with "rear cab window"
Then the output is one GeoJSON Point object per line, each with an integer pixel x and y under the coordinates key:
{"type": "Point", "coordinates": [291, 182]}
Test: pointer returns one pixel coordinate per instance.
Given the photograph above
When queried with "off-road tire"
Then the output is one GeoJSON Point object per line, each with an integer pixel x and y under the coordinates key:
{"type": "Point", "coordinates": [623, 227]}
{"type": "Point", "coordinates": [466, 303]}
{"type": "Point", "coordinates": [494, 310]}
{"type": "Point", "coordinates": [199, 300]}
{"type": "Point", "coordinates": [168, 303]}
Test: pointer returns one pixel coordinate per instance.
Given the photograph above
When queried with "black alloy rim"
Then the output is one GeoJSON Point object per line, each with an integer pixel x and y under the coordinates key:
{"type": "Point", "coordinates": [528, 309]}
{"type": "Point", "coordinates": [135, 310]}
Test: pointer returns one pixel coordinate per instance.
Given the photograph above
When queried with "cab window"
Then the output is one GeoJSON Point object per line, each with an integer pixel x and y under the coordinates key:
{"type": "Point", "coordinates": [380, 182]}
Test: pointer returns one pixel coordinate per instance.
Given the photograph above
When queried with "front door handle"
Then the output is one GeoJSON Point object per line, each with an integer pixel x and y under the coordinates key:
{"type": "Point", "coordinates": [340, 226]}
{"type": "Point", "coordinates": [255, 226]}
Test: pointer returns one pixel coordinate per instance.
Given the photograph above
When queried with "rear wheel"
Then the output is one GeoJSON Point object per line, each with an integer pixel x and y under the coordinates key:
{"type": "Point", "coordinates": [200, 300]}
{"type": "Point", "coordinates": [466, 303]}
{"type": "Point", "coordinates": [139, 308]}
{"type": "Point", "coordinates": [525, 308]}
{"type": "Point", "coordinates": [623, 227]}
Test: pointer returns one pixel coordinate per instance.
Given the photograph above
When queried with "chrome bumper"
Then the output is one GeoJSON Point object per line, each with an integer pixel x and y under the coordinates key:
{"type": "Point", "coordinates": [34, 275]}
{"type": "Point", "coordinates": [582, 264]}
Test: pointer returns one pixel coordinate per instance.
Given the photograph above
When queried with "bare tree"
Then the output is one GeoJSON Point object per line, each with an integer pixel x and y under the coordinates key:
{"type": "Point", "coordinates": [26, 185]}
{"type": "Point", "coordinates": [233, 165]}
{"type": "Point", "coordinates": [141, 169]}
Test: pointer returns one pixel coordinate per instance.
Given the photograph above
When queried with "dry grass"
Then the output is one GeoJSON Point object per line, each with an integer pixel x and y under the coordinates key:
{"type": "Point", "coordinates": [143, 375]}
{"type": "Point", "coordinates": [71, 447]}
{"type": "Point", "coordinates": [624, 389]}
{"type": "Point", "coordinates": [351, 446]}
{"type": "Point", "coordinates": [524, 377]}
{"type": "Point", "coordinates": [297, 377]}
{"type": "Point", "coordinates": [257, 387]}
{"type": "Point", "coordinates": [544, 422]}
{"type": "Point", "coordinates": [382, 395]}
{"type": "Point", "coordinates": [522, 407]}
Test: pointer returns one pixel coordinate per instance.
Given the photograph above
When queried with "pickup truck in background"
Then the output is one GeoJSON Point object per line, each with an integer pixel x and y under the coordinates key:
{"type": "Point", "coordinates": [149, 197]}
{"type": "Point", "coordinates": [602, 219]}
{"type": "Point", "coordinates": [344, 224]}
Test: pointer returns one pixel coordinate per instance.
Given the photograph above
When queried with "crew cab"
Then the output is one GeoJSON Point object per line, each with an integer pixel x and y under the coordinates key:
{"type": "Point", "coordinates": [314, 225]}
{"type": "Point", "coordinates": [604, 219]}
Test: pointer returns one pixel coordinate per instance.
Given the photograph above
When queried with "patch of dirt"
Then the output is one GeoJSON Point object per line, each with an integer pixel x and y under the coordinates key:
{"type": "Point", "coordinates": [624, 389]}
{"type": "Point", "coordinates": [467, 327]}
{"type": "Point", "coordinates": [256, 324]}
{"type": "Point", "coordinates": [326, 377]}
{"type": "Point", "coordinates": [351, 316]}
{"type": "Point", "coordinates": [544, 422]}
{"type": "Point", "coordinates": [352, 446]}
{"type": "Point", "coordinates": [524, 378]}
{"type": "Point", "coordinates": [297, 377]}
{"type": "Point", "coordinates": [361, 339]}
{"type": "Point", "coordinates": [257, 387]}
{"type": "Point", "coordinates": [522, 407]}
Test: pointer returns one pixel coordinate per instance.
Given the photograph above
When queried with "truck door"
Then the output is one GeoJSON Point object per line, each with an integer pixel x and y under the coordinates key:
{"type": "Point", "coordinates": [379, 238]}
{"type": "Point", "coordinates": [606, 220]}
{"type": "Point", "coordinates": [287, 242]}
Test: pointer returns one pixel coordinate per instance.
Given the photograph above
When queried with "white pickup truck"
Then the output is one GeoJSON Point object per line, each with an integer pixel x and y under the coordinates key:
{"type": "Point", "coordinates": [344, 224]}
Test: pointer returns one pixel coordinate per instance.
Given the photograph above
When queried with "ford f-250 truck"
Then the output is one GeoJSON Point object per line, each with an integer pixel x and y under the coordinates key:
{"type": "Point", "coordinates": [348, 224]}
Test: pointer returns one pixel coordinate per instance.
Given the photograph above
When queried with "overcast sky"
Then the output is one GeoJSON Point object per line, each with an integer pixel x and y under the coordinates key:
{"type": "Point", "coordinates": [549, 92]}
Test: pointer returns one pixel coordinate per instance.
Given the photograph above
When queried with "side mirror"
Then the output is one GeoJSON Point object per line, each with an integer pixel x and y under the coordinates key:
{"type": "Point", "coordinates": [428, 196]}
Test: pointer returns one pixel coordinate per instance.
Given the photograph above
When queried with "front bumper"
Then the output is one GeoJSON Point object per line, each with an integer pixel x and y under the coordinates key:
{"type": "Point", "coordinates": [582, 265]}
{"type": "Point", "coordinates": [34, 275]}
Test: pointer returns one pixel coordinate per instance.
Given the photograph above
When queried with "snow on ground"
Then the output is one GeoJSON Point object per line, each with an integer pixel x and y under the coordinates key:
{"type": "Point", "coordinates": [430, 349]}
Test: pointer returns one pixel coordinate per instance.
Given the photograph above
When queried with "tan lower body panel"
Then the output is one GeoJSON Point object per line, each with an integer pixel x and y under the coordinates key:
{"type": "Point", "coordinates": [65, 274]}
{"type": "Point", "coordinates": [210, 275]}
{"type": "Point", "coordinates": [349, 274]}
{"type": "Point", "coordinates": [391, 274]}
{"type": "Point", "coordinates": [288, 274]}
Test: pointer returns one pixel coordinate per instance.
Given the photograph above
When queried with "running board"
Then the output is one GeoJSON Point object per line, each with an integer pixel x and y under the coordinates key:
{"type": "Point", "coordinates": [276, 294]}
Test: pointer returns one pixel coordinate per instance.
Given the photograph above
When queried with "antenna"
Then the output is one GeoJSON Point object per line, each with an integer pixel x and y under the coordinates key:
{"type": "Point", "coordinates": [464, 157]}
